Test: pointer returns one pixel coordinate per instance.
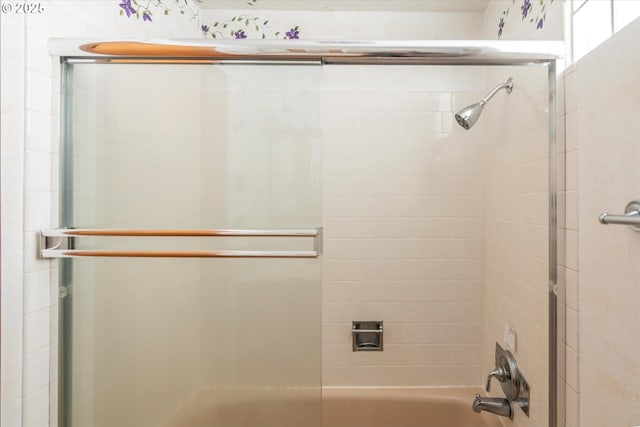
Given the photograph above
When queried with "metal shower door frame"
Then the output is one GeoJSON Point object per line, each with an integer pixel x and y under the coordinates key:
{"type": "Point", "coordinates": [299, 52]}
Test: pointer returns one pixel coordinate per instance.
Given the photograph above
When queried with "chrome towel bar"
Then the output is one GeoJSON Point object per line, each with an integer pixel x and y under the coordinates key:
{"type": "Point", "coordinates": [77, 232]}
{"type": "Point", "coordinates": [631, 216]}
{"type": "Point", "coordinates": [54, 243]}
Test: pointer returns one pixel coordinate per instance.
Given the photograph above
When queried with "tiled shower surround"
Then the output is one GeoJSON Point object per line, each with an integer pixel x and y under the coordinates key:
{"type": "Point", "coordinates": [517, 218]}
{"type": "Point", "coordinates": [438, 231]}
{"type": "Point", "coordinates": [404, 216]}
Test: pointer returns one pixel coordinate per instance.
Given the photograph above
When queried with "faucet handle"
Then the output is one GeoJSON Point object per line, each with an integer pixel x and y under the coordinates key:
{"type": "Point", "coordinates": [501, 375]}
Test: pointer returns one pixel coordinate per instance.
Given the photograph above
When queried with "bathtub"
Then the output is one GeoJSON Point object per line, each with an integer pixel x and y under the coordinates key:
{"type": "Point", "coordinates": [341, 407]}
{"type": "Point", "coordinates": [385, 407]}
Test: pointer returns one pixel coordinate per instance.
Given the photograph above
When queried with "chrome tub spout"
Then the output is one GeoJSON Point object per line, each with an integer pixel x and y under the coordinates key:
{"type": "Point", "coordinates": [495, 405]}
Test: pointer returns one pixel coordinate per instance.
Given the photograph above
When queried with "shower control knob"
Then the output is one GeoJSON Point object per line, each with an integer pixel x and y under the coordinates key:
{"type": "Point", "coordinates": [500, 373]}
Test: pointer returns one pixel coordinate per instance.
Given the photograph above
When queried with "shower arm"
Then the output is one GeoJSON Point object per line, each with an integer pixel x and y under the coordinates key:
{"type": "Point", "coordinates": [508, 86]}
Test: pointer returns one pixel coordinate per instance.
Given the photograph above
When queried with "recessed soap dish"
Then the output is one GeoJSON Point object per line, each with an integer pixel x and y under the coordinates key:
{"type": "Point", "coordinates": [366, 335]}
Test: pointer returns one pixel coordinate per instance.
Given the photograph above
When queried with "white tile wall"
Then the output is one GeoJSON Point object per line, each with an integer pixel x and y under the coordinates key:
{"type": "Point", "coordinates": [516, 281]}
{"type": "Point", "coordinates": [12, 169]}
{"type": "Point", "coordinates": [404, 227]}
{"type": "Point", "coordinates": [571, 262]}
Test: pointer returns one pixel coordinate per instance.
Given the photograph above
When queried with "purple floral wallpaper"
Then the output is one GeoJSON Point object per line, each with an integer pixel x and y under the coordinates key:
{"type": "Point", "coordinates": [236, 27]}
{"type": "Point", "coordinates": [532, 12]}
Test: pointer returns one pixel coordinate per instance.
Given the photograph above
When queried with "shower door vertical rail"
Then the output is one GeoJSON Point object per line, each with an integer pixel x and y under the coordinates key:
{"type": "Point", "coordinates": [556, 183]}
{"type": "Point", "coordinates": [66, 220]}
{"type": "Point", "coordinates": [216, 169]}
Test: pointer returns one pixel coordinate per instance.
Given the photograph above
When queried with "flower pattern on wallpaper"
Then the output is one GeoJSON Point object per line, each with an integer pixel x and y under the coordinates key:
{"type": "Point", "coordinates": [533, 12]}
{"type": "Point", "coordinates": [145, 8]}
{"type": "Point", "coordinates": [235, 27]}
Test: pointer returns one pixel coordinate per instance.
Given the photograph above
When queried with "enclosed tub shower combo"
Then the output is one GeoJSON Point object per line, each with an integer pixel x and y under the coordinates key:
{"type": "Point", "coordinates": [202, 188]}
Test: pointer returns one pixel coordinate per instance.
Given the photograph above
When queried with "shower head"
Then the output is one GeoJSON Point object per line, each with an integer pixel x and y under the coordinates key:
{"type": "Point", "coordinates": [468, 116]}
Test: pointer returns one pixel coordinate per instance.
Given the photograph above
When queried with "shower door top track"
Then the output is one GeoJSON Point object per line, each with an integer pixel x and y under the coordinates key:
{"type": "Point", "coordinates": [443, 52]}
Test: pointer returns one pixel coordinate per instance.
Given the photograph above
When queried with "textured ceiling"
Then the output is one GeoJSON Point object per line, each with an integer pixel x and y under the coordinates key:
{"type": "Point", "coordinates": [370, 5]}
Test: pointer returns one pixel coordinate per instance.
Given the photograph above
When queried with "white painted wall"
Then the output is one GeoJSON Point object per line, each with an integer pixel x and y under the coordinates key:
{"type": "Point", "coordinates": [585, 170]}
{"type": "Point", "coordinates": [608, 100]}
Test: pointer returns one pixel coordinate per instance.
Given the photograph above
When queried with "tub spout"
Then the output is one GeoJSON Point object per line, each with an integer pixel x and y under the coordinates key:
{"type": "Point", "coordinates": [495, 405]}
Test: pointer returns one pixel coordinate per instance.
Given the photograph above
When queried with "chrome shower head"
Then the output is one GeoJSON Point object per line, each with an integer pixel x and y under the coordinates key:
{"type": "Point", "coordinates": [468, 116]}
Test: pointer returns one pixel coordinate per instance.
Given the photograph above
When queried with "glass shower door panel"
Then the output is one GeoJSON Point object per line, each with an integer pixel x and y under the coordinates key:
{"type": "Point", "coordinates": [191, 342]}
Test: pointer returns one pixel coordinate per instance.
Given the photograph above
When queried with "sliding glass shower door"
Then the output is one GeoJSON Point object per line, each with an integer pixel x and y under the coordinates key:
{"type": "Point", "coordinates": [189, 326]}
